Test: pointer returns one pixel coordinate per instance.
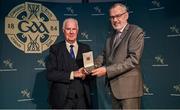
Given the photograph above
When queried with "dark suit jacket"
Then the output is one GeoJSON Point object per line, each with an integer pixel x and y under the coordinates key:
{"type": "Point", "coordinates": [59, 66]}
{"type": "Point", "coordinates": [123, 62]}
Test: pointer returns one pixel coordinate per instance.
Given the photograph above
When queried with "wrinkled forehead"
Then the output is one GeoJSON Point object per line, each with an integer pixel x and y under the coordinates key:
{"type": "Point", "coordinates": [70, 23]}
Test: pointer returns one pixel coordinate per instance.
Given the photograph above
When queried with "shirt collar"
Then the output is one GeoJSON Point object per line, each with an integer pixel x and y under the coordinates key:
{"type": "Point", "coordinates": [68, 44]}
{"type": "Point", "coordinates": [122, 29]}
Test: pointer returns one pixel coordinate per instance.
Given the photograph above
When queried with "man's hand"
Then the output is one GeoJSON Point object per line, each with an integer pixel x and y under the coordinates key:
{"type": "Point", "coordinates": [99, 72]}
{"type": "Point", "coordinates": [79, 74]}
{"type": "Point", "coordinates": [86, 72]}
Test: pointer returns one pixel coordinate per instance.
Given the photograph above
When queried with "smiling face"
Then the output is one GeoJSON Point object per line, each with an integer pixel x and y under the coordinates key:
{"type": "Point", "coordinates": [118, 17]}
{"type": "Point", "coordinates": [70, 31]}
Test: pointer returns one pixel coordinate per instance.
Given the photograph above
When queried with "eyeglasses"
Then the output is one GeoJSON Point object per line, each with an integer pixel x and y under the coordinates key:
{"type": "Point", "coordinates": [117, 16]}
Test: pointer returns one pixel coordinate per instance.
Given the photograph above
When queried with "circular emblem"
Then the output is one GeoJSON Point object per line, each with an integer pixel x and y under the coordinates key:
{"type": "Point", "coordinates": [31, 27]}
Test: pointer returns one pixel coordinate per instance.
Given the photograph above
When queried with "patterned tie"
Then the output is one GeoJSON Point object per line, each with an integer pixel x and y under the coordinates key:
{"type": "Point", "coordinates": [116, 39]}
{"type": "Point", "coordinates": [72, 52]}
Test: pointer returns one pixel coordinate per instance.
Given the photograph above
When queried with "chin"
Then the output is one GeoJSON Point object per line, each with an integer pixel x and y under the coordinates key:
{"type": "Point", "coordinates": [117, 28]}
{"type": "Point", "coordinates": [72, 41]}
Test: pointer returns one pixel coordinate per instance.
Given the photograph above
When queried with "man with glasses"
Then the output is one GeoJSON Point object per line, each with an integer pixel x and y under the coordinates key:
{"type": "Point", "coordinates": [120, 60]}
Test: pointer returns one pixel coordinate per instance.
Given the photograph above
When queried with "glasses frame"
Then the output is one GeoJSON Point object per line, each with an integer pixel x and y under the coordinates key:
{"type": "Point", "coordinates": [116, 16]}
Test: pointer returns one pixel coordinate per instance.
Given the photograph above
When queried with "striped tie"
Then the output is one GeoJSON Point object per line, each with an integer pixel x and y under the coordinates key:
{"type": "Point", "coordinates": [116, 39]}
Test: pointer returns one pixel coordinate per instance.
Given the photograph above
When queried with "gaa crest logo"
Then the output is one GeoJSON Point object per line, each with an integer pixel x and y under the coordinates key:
{"type": "Point", "coordinates": [31, 27]}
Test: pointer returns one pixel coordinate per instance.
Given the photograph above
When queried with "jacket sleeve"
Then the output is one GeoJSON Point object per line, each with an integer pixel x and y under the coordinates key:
{"type": "Point", "coordinates": [100, 59]}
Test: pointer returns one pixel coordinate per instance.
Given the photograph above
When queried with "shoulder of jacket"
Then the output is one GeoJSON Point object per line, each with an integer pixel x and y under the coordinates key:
{"type": "Point", "coordinates": [82, 44]}
{"type": "Point", "coordinates": [57, 45]}
{"type": "Point", "coordinates": [110, 34]}
{"type": "Point", "coordinates": [135, 27]}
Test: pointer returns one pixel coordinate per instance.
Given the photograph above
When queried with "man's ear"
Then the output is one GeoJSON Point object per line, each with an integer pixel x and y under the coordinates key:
{"type": "Point", "coordinates": [77, 30]}
{"type": "Point", "coordinates": [126, 16]}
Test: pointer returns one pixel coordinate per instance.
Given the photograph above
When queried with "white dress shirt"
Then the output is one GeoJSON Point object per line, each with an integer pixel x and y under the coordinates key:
{"type": "Point", "coordinates": [75, 49]}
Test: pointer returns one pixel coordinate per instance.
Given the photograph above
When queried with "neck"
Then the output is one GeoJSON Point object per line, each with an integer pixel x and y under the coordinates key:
{"type": "Point", "coordinates": [71, 42]}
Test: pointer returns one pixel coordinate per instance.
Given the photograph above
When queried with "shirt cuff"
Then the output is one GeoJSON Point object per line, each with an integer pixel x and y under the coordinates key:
{"type": "Point", "coordinates": [72, 76]}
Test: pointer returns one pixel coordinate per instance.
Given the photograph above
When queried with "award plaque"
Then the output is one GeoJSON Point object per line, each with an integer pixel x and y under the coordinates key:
{"type": "Point", "coordinates": [88, 61]}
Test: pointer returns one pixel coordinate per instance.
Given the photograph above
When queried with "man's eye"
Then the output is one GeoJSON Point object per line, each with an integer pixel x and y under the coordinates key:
{"type": "Point", "coordinates": [68, 29]}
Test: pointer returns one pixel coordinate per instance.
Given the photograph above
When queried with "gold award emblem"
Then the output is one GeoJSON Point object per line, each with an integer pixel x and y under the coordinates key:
{"type": "Point", "coordinates": [31, 27]}
{"type": "Point", "coordinates": [88, 58]}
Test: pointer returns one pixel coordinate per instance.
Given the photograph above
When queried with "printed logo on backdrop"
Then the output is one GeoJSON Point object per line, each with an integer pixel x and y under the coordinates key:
{"type": "Point", "coordinates": [25, 95]}
{"type": "Point", "coordinates": [31, 27]}
{"type": "Point", "coordinates": [175, 90]}
{"type": "Point", "coordinates": [147, 90]}
{"type": "Point", "coordinates": [84, 37]}
{"type": "Point", "coordinates": [40, 65]}
{"type": "Point", "coordinates": [159, 60]}
{"type": "Point", "coordinates": [97, 11]}
{"type": "Point", "coordinates": [70, 12]}
{"type": "Point", "coordinates": [174, 31]}
{"type": "Point", "coordinates": [145, 36]}
{"type": "Point", "coordinates": [156, 5]}
{"type": "Point", "coordinates": [7, 65]}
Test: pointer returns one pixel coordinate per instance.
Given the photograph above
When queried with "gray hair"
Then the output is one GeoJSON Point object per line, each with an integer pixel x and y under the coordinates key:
{"type": "Point", "coordinates": [120, 5]}
{"type": "Point", "coordinates": [70, 19]}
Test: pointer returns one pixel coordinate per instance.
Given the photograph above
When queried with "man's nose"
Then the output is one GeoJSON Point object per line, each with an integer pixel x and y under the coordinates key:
{"type": "Point", "coordinates": [71, 31]}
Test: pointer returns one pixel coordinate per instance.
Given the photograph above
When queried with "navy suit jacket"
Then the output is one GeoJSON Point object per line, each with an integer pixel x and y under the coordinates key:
{"type": "Point", "coordinates": [59, 66]}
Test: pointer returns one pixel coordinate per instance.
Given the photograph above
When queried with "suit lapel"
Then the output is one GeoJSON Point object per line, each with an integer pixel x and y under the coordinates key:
{"type": "Point", "coordinates": [66, 52]}
{"type": "Point", "coordinates": [122, 36]}
{"type": "Point", "coordinates": [112, 40]}
{"type": "Point", "coordinates": [79, 52]}
{"type": "Point", "coordinates": [119, 41]}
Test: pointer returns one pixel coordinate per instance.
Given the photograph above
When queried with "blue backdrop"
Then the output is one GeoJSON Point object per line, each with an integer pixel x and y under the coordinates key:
{"type": "Point", "coordinates": [23, 74]}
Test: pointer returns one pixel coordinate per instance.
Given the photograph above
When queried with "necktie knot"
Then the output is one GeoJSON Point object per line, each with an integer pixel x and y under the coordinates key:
{"type": "Point", "coordinates": [71, 46]}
